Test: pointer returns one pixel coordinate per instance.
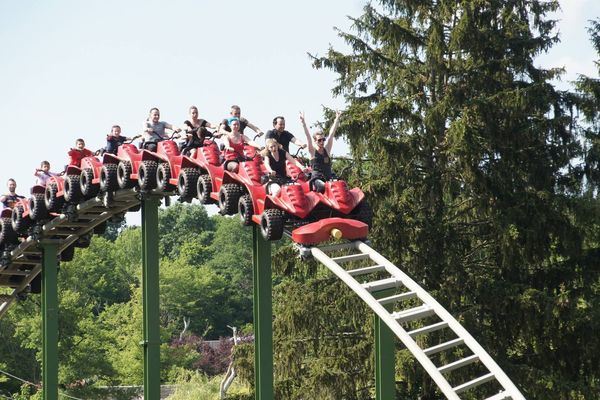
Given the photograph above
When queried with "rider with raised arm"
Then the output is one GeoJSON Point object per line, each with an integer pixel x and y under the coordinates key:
{"type": "Point", "coordinates": [43, 173]}
{"type": "Point", "coordinates": [154, 130]}
{"type": "Point", "coordinates": [234, 142]}
{"type": "Point", "coordinates": [320, 150]}
{"type": "Point", "coordinates": [282, 136]}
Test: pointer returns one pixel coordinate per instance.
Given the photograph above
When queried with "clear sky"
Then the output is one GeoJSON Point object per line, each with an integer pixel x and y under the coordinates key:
{"type": "Point", "coordinates": [72, 69]}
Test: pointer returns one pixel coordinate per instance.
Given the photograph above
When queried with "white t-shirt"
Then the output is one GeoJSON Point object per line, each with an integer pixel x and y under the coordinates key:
{"type": "Point", "coordinates": [158, 127]}
{"type": "Point", "coordinates": [42, 177]}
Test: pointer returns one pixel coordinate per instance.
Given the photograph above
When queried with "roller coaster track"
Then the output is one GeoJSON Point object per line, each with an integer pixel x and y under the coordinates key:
{"type": "Point", "coordinates": [425, 315]}
{"type": "Point", "coordinates": [24, 263]}
{"type": "Point", "coordinates": [411, 324]}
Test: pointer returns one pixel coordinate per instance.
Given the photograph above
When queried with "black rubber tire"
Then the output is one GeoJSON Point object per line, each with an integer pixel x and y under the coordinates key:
{"type": "Point", "coordinates": [67, 254]}
{"type": "Point", "coordinates": [108, 178]}
{"type": "Point", "coordinates": [37, 207]}
{"type": "Point", "coordinates": [245, 209]}
{"type": "Point", "coordinates": [72, 189]}
{"type": "Point", "coordinates": [187, 183]}
{"type": "Point", "coordinates": [88, 189]}
{"type": "Point", "coordinates": [7, 233]}
{"type": "Point", "coordinates": [271, 224]}
{"type": "Point", "coordinates": [36, 284]}
{"type": "Point", "coordinates": [53, 203]}
{"type": "Point", "coordinates": [204, 188]}
{"type": "Point", "coordinates": [163, 175]}
{"type": "Point", "coordinates": [124, 175]}
{"type": "Point", "coordinates": [229, 196]}
{"type": "Point", "coordinates": [19, 223]}
{"type": "Point", "coordinates": [147, 175]}
{"type": "Point", "coordinates": [100, 229]}
{"type": "Point", "coordinates": [363, 213]}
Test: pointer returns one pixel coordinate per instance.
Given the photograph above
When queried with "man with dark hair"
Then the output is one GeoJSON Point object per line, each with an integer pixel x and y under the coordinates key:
{"type": "Point", "coordinates": [282, 136]}
{"type": "Point", "coordinates": [10, 199]}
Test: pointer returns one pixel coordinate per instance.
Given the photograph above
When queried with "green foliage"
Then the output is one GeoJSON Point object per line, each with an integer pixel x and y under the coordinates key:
{"type": "Point", "coordinates": [190, 291]}
{"type": "Point", "coordinates": [588, 96]}
{"type": "Point", "coordinates": [474, 171]}
{"type": "Point", "coordinates": [100, 318]}
{"type": "Point", "coordinates": [182, 223]}
{"type": "Point", "coordinates": [100, 274]}
{"type": "Point", "coordinates": [322, 337]}
{"type": "Point", "coordinates": [193, 385]}
{"type": "Point", "coordinates": [26, 392]}
{"type": "Point", "coordinates": [17, 358]}
{"type": "Point", "coordinates": [231, 258]}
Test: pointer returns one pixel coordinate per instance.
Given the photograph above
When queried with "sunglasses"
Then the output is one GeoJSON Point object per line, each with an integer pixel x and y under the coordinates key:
{"type": "Point", "coordinates": [320, 140]}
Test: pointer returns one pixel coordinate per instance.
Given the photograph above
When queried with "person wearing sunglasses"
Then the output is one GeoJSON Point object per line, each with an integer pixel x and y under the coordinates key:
{"type": "Point", "coordinates": [320, 149]}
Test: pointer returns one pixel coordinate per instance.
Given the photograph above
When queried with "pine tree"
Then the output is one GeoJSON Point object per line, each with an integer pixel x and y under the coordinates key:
{"type": "Point", "coordinates": [588, 89]}
{"type": "Point", "coordinates": [471, 171]}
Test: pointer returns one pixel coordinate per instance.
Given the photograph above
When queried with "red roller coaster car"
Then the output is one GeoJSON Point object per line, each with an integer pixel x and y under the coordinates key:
{"type": "Point", "coordinates": [311, 216]}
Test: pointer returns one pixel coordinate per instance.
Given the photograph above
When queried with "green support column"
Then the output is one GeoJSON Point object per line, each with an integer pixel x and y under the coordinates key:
{"type": "Point", "coordinates": [263, 317]}
{"type": "Point", "coordinates": [385, 357]}
{"type": "Point", "coordinates": [150, 290]}
{"type": "Point", "coordinates": [49, 320]}
{"type": "Point", "coordinates": [385, 373]}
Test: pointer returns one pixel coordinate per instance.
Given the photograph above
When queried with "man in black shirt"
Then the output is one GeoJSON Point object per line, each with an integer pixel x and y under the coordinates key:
{"type": "Point", "coordinates": [9, 200]}
{"type": "Point", "coordinates": [282, 136]}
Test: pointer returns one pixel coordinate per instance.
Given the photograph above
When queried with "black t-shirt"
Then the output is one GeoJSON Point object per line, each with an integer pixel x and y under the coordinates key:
{"type": "Point", "coordinates": [11, 200]}
{"type": "Point", "coordinates": [321, 164]}
{"type": "Point", "coordinates": [201, 133]}
{"type": "Point", "coordinates": [283, 139]}
{"type": "Point", "coordinates": [113, 143]}
{"type": "Point", "coordinates": [278, 166]}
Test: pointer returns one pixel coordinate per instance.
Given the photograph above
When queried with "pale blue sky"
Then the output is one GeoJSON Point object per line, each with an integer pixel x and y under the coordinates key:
{"type": "Point", "coordinates": [72, 69]}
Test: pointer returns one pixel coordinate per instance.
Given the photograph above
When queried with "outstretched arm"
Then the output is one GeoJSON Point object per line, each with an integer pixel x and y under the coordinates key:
{"type": "Point", "coordinates": [298, 142]}
{"type": "Point", "coordinates": [254, 128]}
{"type": "Point", "coordinates": [173, 128]}
{"type": "Point", "coordinates": [226, 145]}
{"type": "Point", "coordinates": [294, 161]}
{"type": "Point", "coordinates": [250, 142]}
{"type": "Point", "coordinates": [336, 123]}
{"type": "Point", "coordinates": [311, 149]}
